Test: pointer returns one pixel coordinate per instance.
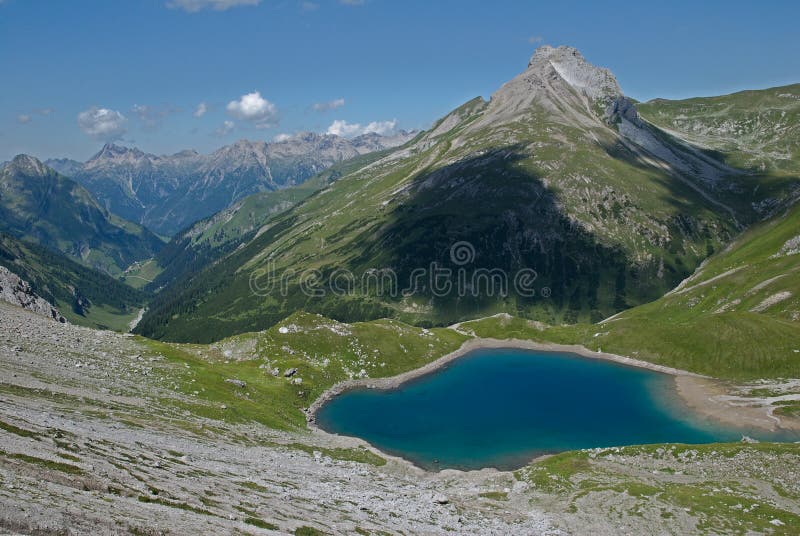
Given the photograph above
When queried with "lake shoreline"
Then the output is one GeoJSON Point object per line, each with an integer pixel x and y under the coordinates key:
{"type": "Point", "coordinates": [707, 396]}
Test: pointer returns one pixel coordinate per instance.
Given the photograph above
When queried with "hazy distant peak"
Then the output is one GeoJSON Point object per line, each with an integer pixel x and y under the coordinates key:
{"type": "Point", "coordinates": [27, 165]}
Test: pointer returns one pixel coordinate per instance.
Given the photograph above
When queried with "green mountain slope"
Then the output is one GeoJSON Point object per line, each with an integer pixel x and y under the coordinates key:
{"type": "Point", "coordinates": [737, 317]}
{"type": "Point", "coordinates": [84, 296]}
{"type": "Point", "coordinates": [37, 203]}
{"type": "Point", "coordinates": [209, 240]}
{"type": "Point", "coordinates": [555, 174]}
{"type": "Point", "coordinates": [757, 131]}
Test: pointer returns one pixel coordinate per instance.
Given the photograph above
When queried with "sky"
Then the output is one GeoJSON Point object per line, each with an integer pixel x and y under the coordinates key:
{"type": "Point", "coordinates": [168, 75]}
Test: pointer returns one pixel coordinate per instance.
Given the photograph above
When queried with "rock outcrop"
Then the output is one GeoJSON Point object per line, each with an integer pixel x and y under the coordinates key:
{"type": "Point", "coordinates": [18, 292]}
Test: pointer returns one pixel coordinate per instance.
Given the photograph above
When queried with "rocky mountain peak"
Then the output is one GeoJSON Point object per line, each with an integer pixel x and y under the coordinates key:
{"type": "Point", "coordinates": [28, 165]}
{"type": "Point", "coordinates": [117, 153]}
{"type": "Point", "coordinates": [572, 67]}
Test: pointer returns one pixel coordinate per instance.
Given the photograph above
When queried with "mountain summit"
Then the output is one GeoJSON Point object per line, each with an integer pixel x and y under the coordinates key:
{"type": "Point", "coordinates": [596, 83]}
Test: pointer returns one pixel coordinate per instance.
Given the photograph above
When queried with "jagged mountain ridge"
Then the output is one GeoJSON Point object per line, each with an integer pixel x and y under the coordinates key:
{"type": "Point", "coordinates": [168, 193]}
{"type": "Point", "coordinates": [41, 205]}
{"type": "Point", "coordinates": [556, 173]}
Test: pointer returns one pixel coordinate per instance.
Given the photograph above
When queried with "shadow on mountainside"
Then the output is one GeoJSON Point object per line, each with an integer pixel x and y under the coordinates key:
{"type": "Point", "coordinates": [509, 220]}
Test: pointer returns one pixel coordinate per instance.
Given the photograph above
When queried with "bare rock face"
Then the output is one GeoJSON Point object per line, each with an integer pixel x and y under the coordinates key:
{"type": "Point", "coordinates": [595, 82]}
{"type": "Point", "coordinates": [18, 292]}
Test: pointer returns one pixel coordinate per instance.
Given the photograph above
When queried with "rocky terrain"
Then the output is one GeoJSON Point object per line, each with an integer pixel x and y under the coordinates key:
{"type": "Point", "coordinates": [18, 292]}
{"type": "Point", "coordinates": [96, 437]}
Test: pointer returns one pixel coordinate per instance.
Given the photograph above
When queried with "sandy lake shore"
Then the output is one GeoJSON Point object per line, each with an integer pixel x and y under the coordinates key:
{"type": "Point", "coordinates": [707, 396]}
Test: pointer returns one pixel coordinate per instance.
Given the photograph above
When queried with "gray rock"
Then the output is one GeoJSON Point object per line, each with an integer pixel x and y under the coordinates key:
{"type": "Point", "coordinates": [237, 383]}
{"type": "Point", "coordinates": [18, 292]}
{"type": "Point", "coordinates": [289, 373]}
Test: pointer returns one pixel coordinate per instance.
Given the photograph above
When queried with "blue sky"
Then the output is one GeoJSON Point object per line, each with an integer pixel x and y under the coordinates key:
{"type": "Point", "coordinates": [78, 73]}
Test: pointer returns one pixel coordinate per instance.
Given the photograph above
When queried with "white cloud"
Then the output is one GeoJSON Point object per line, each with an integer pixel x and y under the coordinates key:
{"type": "Point", "coordinates": [23, 119]}
{"type": "Point", "coordinates": [282, 137]}
{"type": "Point", "coordinates": [225, 129]}
{"type": "Point", "coordinates": [102, 124]}
{"type": "Point", "coordinates": [534, 39]}
{"type": "Point", "coordinates": [341, 127]}
{"type": "Point", "coordinates": [253, 107]}
{"type": "Point", "coordinates": [193, 6]}
{"type": "Point", "coordinates": [201, 110]}
{"type": "Point", "coordinates": [309, 6]}
{"type": "Point", "coordinates": [327, 106]}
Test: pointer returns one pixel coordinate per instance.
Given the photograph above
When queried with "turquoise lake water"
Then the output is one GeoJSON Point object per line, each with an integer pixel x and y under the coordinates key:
{"type": "Point", "coordinates": [502, 407]}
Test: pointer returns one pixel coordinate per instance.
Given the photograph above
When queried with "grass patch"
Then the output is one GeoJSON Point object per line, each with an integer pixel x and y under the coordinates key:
{"type": "Point", "coordinates": [308, 531]}
{"type": "Point", "coordinates": [174, 504]}
{"type": "Point", "coordinates": [46, 464]}
{"type": "Point", "coordinates": [8, 427]}
{"type": "Point", "coordinates": [494, 495]}
{"type": "Point", "coordinates": [260, 523]}
{"type": "Point", "coordinates": [360, 455]}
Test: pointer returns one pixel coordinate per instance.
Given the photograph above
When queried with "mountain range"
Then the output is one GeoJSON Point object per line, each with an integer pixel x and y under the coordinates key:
{"type": "Point", "coordinates": [168, 193]}
{"type": "Point", "coordinates": [558, 173]}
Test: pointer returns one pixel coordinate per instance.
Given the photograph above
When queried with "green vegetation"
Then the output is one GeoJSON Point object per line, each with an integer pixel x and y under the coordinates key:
{"type": "Point", "coordinates": [8, 427]}
{"type": "Point", "coordinates": [41, 462]}
{"type": "Point", "coordinates": [308, 531]}
{"type": "Point", "coordinates": [256, 522]}
{"type": "Point", "coordinates": [84, 296]}
{"type": "Point", "coordinates": [323, 351]}
{"type": "Point", "coordinates": [42, 206]}
{"type": "Point", "coordinates": [174, 504]}
{"type": "Point", "coordinates": [757, 130]}
{"type": "Point", "coordinates": [722, 322]}
{"type": "Point", "coordinates": [212, 238]}
{"type": "Point", "coordinates": [140, 274]}
{"type": "Point", "coordinates": [360, 455]}
{"type": "Point", "coordinates": [494, 495]}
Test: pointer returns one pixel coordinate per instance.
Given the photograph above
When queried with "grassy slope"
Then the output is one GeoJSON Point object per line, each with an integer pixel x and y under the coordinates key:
{"type": "Point", "coordinates": [139, 274]}
{"type": "Point", "coordinates": [758, 131]}
{"type": "Point", "coordinates": [58, 213]}
{"type": "Point", "coordinates": [211, 239]}
{"type": "Point", "coordinates": [61, 281]}
{"type": "Point", "coordinates": [323, 351]}
{"type": "Point", "coordinates": [715, 324]}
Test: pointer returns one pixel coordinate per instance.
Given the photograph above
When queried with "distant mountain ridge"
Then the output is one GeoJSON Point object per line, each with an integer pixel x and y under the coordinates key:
{"type": "Point", "coordinates": [168, 193]}
{"type": "Point", "coordinates": [39, 204]}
